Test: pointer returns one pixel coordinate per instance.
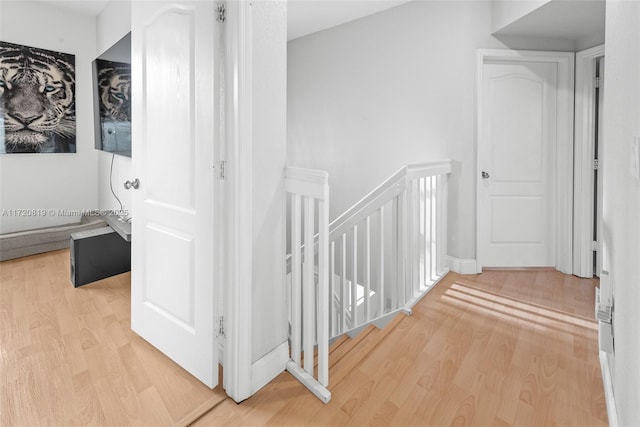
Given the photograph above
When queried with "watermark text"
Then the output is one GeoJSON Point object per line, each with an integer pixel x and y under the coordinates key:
{"type": "Point", "coordinates": [62, 212]}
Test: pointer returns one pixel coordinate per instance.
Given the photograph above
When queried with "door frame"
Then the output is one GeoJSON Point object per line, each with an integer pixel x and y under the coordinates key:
{"type": "Point", "coordinates": [238, 178]}
{"type": "Point", "coordinates": [564, 147]}
{"type": "Point", "coordinates": [584, 152]}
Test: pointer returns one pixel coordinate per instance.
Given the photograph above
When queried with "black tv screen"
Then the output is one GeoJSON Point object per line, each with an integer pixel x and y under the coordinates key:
{"type": "Point", "coordinates": [112, 99]}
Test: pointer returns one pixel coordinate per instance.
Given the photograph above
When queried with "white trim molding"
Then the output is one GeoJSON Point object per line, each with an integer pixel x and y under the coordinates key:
{"type": "Point", "coordinates": [269, 366]}
{"type": "Point", "coordinates": [238, 264]}
{"type": "Point", "coordinates": [584, 147]}
{"type": "Point", "coordinates": [564, 148]}
{"type": "Point", "coordinates": [462, 266]}
{"type": "Point", "coordinates": [612, 412]}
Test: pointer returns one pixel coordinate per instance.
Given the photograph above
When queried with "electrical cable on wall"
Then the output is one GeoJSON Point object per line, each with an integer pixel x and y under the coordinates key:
{"type": "Point", "coordinates": [111, 183]}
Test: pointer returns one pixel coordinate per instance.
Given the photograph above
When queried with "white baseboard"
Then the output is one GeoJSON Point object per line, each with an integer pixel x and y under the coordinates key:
{"type": "Point", "coordinates": [462, 266]}
{"type": "Point", "coordinates": [608, 389]}
{"type": "Point", "coordinates": [269, 366]}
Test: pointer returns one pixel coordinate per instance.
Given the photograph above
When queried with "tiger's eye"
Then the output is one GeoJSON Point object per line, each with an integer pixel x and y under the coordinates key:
{"type": "Point", "coordinates": [49, 88]}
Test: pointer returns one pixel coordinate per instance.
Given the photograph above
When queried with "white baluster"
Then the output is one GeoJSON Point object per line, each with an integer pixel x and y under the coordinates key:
{"type": "Point", "coordinates": [354, 281]}
{"type": "Point", "coordinates": [323, 292]}
{"type": "Point", "coordinates": [404, 230]}
{"type": "Point", "coordinates": [433, 225]}
{"type": "Point", "coordinates": [428, 237]}
{"type": "Point", "coordinates": [367, 271]}
{"type": "Point", "coordinates": [308, 286]}
{"type": "Point", "coordinates": [415, 236]}
{"type": "Point", "coordinates": [296, 285]}
{"type": "Point", "coordinates": [345, 296]}
{"type": "Point", "coordinates": [332, 299]}
{"type": "Point", "coordinates": [442, 194]}
{"type": "Point", "coordinates": [381, 294]}
{"type": "Point", "coordinates": [397, 245]}
{"type": "Point", "coordinates": [424, 233]}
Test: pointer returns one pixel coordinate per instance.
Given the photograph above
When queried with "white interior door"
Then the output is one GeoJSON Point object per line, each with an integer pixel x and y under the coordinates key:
{"type": "Point", "coordinates": [172, 292]}
{"type": "Point", "coordinates": [516, 160]}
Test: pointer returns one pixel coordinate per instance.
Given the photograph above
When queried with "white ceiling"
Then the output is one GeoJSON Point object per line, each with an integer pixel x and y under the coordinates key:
{"type": "Point", "coordinates": [304, 16]}
{"type": "Point", "coordinates": [309, 16]}
{"type": "Point", "coordinates": [560, 19]}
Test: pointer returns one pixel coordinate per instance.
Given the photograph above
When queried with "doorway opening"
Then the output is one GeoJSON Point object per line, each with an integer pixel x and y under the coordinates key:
{"type": "Point", "coordinates": [597, 174]}
{"type": "Point", "coordinates": [588, 161]}
{"type": "Point", "coordinates": [525, 159]}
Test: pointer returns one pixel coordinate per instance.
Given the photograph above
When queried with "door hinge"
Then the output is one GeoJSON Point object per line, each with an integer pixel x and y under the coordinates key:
{"type": "Point", "coordinates": [596, 164]}
{"type": "Point", "coordinates": [221, 326]}
{"type": "Point", "coordinates": [220, 167]}
{"type": "Point", "coordinates": [594, 246]}
{"type": "Point", "coordinates": [597, 82]}
{"type": "Point", "coordinates": [221, 12]}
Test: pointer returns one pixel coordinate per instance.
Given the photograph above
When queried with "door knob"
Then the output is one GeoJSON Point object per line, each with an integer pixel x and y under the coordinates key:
{"type": "Point", "coordinates": [485, 175]}
{"type": "Point", "coordinates": [135, 184]}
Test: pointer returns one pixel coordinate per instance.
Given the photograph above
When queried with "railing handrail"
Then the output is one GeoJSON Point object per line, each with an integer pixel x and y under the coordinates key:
{"type": "Point", "coordinates": [384, 192]}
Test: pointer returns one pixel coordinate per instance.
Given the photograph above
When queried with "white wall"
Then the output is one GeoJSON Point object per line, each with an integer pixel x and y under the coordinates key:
{"type": "Point", "coordinates": [621, 215]}
{"type": "Point", "coordinates": [51, 181]}
{"type": "Point", "coordinates": [113, 23]}
{"type": "Point", "coordinates": [269, 156]}
{"type": "Point", "coordinates": [396, 87]}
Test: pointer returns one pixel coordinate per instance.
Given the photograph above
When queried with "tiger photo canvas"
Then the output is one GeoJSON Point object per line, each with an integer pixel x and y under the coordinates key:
{"type": "Point", "coordinates": [114, 96]}
{"type": "Point", "coordinates": [37, 100]}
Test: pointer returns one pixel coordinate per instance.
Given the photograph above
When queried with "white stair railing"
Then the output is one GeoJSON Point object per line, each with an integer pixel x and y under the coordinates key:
{"type": "Point", "coordinates": [377, 259]}
{"type": "Point", "coordinates": [389, 249]}
{"type": "Point", "coordinates": [309, 304]}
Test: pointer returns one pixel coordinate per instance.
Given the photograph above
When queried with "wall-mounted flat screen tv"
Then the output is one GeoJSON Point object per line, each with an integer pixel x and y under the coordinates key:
{"type": "Point", "coordinates": [112, 98]}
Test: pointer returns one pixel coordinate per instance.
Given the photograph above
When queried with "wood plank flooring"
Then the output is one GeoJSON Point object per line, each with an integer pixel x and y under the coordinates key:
{"type": "Point", "coordinates": [504, 348]}
{"type": "Point", "coordinates": [68, 356]}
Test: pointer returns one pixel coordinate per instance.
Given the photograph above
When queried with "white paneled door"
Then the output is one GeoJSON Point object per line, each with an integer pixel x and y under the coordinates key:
{"type": "Point", "coordinates": [516, 161]}
{"type": "Point", "coordinates": [173, 302]}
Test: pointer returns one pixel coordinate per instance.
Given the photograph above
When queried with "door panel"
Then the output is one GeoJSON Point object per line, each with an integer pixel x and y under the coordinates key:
{"type": "Point", "coordinates": [173, 304]}
{"type": "Point", "coordinates": [517, 219]}
{"type": "Point", "coordinates": [168, 102]}
{"type": "Point", "coordinates": [515, 129]}
{"type": "Point", "coordinates": [516, 150]}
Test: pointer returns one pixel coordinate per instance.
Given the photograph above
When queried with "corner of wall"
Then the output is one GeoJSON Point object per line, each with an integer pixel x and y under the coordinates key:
{"type": "Point", "coordinates": [113, 23]}
{"type": "Point", "coordinates": [505, 12]}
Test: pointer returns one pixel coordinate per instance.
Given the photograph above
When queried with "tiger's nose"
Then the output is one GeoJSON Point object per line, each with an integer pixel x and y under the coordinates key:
{"type": "Point", "coordinates": [25, 117]}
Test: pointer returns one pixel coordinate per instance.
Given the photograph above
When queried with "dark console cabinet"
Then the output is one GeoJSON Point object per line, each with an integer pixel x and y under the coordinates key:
{"type": "Point", "coordinates": [97, 254]}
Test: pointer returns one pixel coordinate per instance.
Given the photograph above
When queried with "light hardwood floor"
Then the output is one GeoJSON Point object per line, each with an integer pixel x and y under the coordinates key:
{"type": "Point", "coordinates": [504, 348]}
{"type": "Point", "coordinates": [68, 356]}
